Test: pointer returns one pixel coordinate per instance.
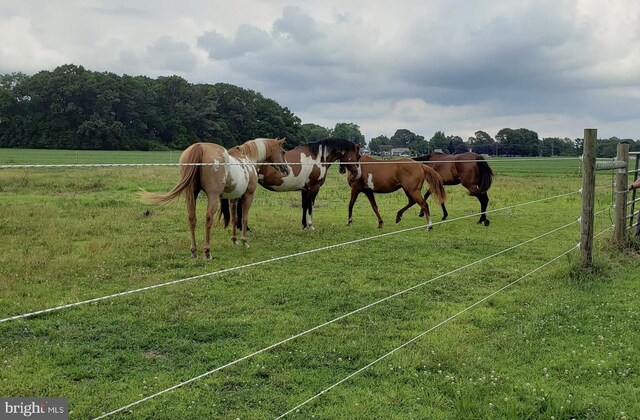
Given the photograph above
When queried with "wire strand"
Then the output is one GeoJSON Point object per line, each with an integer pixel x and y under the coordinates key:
{"type": "Point", "coordinates": [210, 372]}
{"type": "Point", "coordinates": [414, 339]}
{"type": "Point", "coordinates": [262, 262]}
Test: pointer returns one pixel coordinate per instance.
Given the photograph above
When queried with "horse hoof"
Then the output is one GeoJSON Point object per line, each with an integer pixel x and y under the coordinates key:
{"type": "Point", "coordinates": [311, 227]}
{"type": "Point", "coordinates": [207, 256]}
{"type": "Point", "coordinates": [487, 222]}
{"type": "Point", "coordinates": [380, 225]}
{"type": "Point", "coordinates": [246, 245]}
{"type": "Point", "coordinates": [444, 218]}
{"type": "Point", "coordinates": [398, 219]}
{"type": "Point", "coordinates": [194, 255]}
{"type": "Point", "coordinates": [421, 214]}
{"type": "Point", "coordinates": [429, 228]}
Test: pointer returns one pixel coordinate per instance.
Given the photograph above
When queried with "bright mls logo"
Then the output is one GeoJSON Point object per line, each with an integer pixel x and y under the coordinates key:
{"type": "Point", "coordinates": [34, 408]}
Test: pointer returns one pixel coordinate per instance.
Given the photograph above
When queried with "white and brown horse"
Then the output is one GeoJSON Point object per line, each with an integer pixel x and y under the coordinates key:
{"type": "Point", "coordinates": [385, 176]}
{"type": "Point", "coordinates": [308, 169]}
{"type": "Point", "coordinates": [226, 175]}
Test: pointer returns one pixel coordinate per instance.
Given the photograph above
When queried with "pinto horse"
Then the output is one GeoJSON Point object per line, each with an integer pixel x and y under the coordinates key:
{"type": "Point", "coordinates": [308, 169]}
{"type": "Point", "coordinates": [391, 175]}
{"type": "Point", "coordinates": [469, 169]}
{"type": "Point", "coordinates": [227, 175]}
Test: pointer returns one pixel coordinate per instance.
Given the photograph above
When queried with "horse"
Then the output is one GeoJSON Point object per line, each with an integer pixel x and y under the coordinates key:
{"type": "Point", "coordinates": [391, 175]}
{"type": "Point", "coordinates": [469, 169]}
{"type": "Point", "coordinates": [308, 169]}
{"type": "Point", "coordinates": [635, 185]}
{"type": "Point", "coordinates": [226, 175]}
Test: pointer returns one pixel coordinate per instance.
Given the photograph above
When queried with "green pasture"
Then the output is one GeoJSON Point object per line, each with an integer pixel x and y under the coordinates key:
{"type": "Point", "coordinates": [559, 343]}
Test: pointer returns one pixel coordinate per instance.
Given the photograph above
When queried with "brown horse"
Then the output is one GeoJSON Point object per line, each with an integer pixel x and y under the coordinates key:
{"type": "Point", "coordinates": [390, 175]}
{"type": "Point", "coordinates": [308, 170]}
{"type": "Point", "coordinates": [469, 169]}
{"type": "Point", "coordinates": [229, 175]}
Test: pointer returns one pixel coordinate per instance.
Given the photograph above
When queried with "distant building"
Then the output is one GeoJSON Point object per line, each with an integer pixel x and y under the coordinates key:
{"type": "Point", "coordinates": [401, 151]}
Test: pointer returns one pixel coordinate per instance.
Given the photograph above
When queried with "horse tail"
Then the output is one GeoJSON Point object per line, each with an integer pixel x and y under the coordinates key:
{"type": "Point", "coordinates": [225, 213]}
{"type": "Point", "coordinates": [188, 178]}
{"type": "Point", "coordinates": [485, 174]}
{"type": "Point", "coordinates": [436, 185]}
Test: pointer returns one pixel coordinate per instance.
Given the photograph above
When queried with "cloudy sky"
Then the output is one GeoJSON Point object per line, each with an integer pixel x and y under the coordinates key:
{"type": "Point", "coordinates": [552, 66]}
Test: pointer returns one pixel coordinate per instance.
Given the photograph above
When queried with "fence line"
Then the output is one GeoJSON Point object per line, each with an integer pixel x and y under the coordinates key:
{"type": "Point", "coordinates": [317, 327]}
{"type": "Point", "coordinates": [262, 262]}
{"type": "Point", "coordinates": [389, 161]}
{"type": "Point", "coordinates": [429, 330]}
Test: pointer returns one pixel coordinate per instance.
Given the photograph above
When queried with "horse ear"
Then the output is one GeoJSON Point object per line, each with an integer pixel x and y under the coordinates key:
{"type": "Point", "coordinates": [281, 141]}
{"type": "Point", "coordinates": [358, 147]}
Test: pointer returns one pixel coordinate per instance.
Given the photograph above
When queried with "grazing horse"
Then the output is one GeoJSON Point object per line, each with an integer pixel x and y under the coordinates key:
{"type": "Point", "coordinates": [469, 169]}
{"type": "Point", "coordinates": [308, 169]}
{"type": "Point", "coordinates": [228, 174]}
{"type": "Point", "coordinates": [391, 175]}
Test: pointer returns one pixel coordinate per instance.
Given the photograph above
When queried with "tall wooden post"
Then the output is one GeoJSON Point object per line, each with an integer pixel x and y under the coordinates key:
{"type": "Point", "coordinates": [588, 196]}
{"type": "Point", "coordinates": [620, 225]}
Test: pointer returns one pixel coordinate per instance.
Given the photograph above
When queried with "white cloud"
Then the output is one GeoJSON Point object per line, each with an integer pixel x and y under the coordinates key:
{"type": "Point", "coordinates": [21, 50]}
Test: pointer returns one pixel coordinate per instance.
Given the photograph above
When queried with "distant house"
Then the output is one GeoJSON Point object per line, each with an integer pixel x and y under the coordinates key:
{"type": "Point", "coordinates": [401, 151]}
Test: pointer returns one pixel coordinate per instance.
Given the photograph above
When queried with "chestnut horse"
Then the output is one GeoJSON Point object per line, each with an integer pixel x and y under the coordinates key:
{"type": "Point", "coordinates": [390, 175]}
{"type": "Point", "coordinates": [308, 169]}
{"type": "Point", "coordinates": [227, 175]}
{"type": "Point", "coordinates": [469, 169]}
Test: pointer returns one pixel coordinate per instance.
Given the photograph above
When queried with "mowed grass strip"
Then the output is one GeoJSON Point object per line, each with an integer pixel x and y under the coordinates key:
{"type": "Point", "coordinates": [559, 343]}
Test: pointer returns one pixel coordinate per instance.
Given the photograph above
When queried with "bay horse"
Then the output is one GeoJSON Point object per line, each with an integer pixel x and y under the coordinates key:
{"type": "Point", "coordinates": [469, 169]}
{"type": "Point", "coordinates": [391, 175]}
{"type": "Point", "coordinates": [229, 175]}
{"type": "Point", "coordinates": [308, 165]}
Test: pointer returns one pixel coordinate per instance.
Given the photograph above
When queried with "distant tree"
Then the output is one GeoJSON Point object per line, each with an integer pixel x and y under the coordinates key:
{"type": "Point", "coordinates": [349, 131]}
{"type": "Point", "coordinates": [455, 142]}
{"type": "Point", "coordinates": [520, 142]}
{"type": "Point", "coordinates": [376, 142]}
{"type": "Point", "coordinates": [410, 140]}
{"type": "Point", "coordinates": [439, 141]}
{"type": "Point", "coordinates": [313, 132]}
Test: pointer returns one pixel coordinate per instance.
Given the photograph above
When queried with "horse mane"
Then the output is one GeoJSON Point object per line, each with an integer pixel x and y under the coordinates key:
{"type": "Point", "coordinates": [332, 143]}
{"type": "Point", "coordinates": [252, 149]}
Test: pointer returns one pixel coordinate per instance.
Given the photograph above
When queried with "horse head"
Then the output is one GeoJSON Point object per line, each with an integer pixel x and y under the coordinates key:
{"type": "Point", "coordinates": [635, 185]}
{"type": "Point", "coordinates": [350, 161]}
{"type": "Point", "coordinates": [275, 155]}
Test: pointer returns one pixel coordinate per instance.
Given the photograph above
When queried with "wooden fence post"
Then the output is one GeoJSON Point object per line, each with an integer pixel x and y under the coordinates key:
{"type": "Point", "coordinates": [588, 196]}
{"type": "Point", "coordinates": [620, 225]}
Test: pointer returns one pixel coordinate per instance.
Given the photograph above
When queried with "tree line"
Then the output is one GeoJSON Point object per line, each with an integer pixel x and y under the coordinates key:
{"type": "Point", "coordinates": [74, 108]}
{"type": "Point", "coordinates": [507, 142]}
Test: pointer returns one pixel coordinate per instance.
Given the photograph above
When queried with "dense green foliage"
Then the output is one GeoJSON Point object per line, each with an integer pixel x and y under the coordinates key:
{"type": "Point", "coordinates": [74, 108]}
{"type": "Point", "coordinates": [559, 343]}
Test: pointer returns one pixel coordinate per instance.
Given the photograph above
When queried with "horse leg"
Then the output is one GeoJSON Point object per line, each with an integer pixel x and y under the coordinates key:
{"type": "Point", "coordinates": [234, 221]}
{"type": "Point", "coordinates": [484, 202]}
{"type": "Point", "coordinates": [305, 206]}
{"type": "Point", "coordinates": [426, 195]}
{"type": "Point", "coordinates": [410, 203]}
{"type": "Point", "coordinates": [313, 193]}
{"type": "Point", "coordinates": [423, 205]}
{"type": "Point", "coordinates": [247, 200]}
{"type": "Point", "coordinates": [191, 214]}
{"type": "Point", "coordinates": [352, 201]}
{"type": "Point", "coordinates": [213, 200]}
{"type": "Point", "coordinates": [374, 206]}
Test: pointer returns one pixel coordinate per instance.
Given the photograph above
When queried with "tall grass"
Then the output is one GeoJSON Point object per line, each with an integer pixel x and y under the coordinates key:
{"type": "Point", "coordinates": [560, 343]}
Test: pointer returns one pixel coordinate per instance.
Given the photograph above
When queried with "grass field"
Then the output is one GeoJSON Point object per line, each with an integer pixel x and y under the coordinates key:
{"type": "Point", "coordinates": [560, 343]}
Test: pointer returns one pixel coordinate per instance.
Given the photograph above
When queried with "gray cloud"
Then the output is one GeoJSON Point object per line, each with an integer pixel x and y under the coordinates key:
{"type": "Point", "coordinates": [168, 54]}
{"type": "Point", "coordinates": [298, 26]}
{"type": "Point", "coordinates": [248, 39]}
